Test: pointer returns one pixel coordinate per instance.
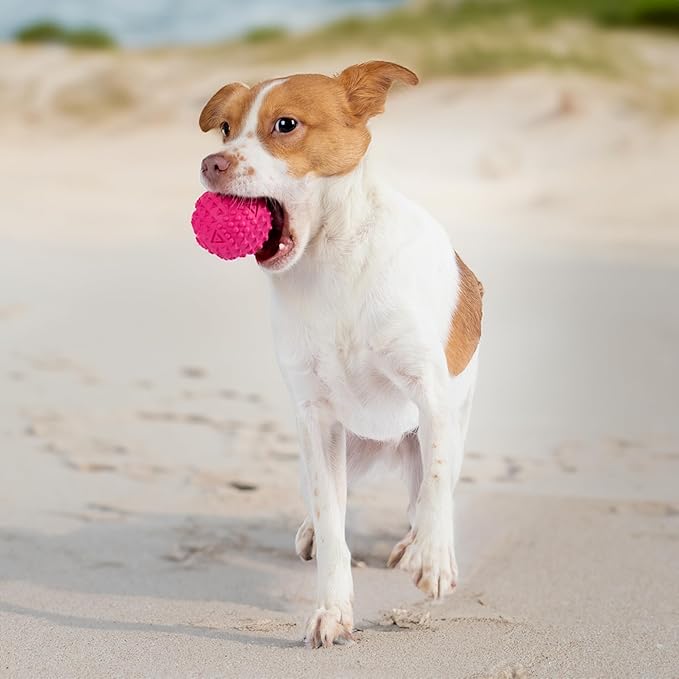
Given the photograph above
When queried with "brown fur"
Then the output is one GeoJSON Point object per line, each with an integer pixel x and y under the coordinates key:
{"type": "Point", "coordinates": [368, 84]}
{"type": "Point", "coordinates": [332, 136]}
{"type": "Point", "coordinates": [330, 139]}
{"type": "Point", "coordinates": [229, 104]}
{"type": "Point", "coordinates": [465, 327]}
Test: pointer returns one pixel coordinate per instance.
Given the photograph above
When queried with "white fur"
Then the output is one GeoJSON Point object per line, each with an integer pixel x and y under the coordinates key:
{"type": "Point", "coordinates": [361, 316]}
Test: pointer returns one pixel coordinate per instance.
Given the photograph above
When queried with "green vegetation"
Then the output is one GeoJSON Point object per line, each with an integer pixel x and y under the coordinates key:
{"type": "Point", "coordinates": [658, 13]}
{"type": "Point", "coordinates": [478, 37]}
{"type": "Point", "coordinates": [263, 34]}
{"type": "Point", "coordinates": [452, 15]}
{"type": "Point", "coordinates": [52, 32]}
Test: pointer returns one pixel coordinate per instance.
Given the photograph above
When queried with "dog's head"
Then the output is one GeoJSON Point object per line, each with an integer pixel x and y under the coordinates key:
{"type": "Point", "coordinates": [280, 136]}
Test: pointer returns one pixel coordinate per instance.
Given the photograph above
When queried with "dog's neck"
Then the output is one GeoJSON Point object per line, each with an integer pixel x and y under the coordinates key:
{"type": "Point", "coordinates": [345, 208]}
{"type": "Point", "coordinates": [342, 213]}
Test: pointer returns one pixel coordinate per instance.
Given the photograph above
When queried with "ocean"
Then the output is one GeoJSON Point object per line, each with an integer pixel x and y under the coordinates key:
{"type": "Point", "coordinates": [164, 22]}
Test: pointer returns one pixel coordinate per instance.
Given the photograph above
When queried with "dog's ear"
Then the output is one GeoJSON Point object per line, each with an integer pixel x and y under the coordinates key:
{"type": "Point", "coordinates": [211, 115]}
{"type": "Point", "coordinates": [368, 84]}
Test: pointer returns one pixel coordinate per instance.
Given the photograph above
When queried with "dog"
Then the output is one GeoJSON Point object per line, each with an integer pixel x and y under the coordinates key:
{"type": "Point", "coordinates": [377, 320]}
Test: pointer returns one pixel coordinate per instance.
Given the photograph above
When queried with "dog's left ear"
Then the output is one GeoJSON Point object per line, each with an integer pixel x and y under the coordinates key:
{"type": "Point", "coordinates": [368, 84]}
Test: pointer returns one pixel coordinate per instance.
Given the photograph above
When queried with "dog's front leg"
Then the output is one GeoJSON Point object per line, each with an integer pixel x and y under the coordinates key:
{"type": "Point", "coordinates": [427, 552]}
{"type": "Point", "coordinates": [323, 444]}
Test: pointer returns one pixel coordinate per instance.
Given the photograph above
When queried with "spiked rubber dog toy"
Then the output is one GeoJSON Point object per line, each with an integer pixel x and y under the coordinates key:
{"type": "Point", "coordinates": [231, 227]}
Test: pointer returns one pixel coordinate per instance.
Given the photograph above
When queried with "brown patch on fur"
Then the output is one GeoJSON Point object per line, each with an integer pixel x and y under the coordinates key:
{"type": "Point", "coordinates": [329, 140]}
{"type": "Point", "coordinates": [332, 136]}
{"type": "Point", "coordinates": [465, 327]}
{"type": "Point", "coordinates": [230, 105]}
{"type": "Point", "coordinates": [368, 84]}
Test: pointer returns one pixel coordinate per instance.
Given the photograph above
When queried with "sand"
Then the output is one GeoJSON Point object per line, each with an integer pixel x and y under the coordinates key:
{"type": "Point", "coordinates": [149, 494]}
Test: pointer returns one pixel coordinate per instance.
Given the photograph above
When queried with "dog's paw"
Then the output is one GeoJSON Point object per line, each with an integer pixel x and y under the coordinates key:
{"type": "Point", "coordinates": [430, 561]}
{"type": "Point", "coordinates": [329, 625]}
{"type": "Point", "coordinates": [305, 545]}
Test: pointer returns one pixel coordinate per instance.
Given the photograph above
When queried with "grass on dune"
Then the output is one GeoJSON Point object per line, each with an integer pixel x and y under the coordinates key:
{"type": "Point", "coordinates": [439, 42]}
{"type": "Point", "coordinates": [461, 37]}
{"type": "Point", "coordinates": [88, 37]}
{"type": "Point", "coordinates": [630, 13]}
{"type": "Point", "coordinates": [457, 14]}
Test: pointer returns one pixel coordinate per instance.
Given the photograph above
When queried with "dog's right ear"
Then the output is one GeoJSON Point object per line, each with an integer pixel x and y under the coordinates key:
{"type": "Point", "coordinates": [212, 114]}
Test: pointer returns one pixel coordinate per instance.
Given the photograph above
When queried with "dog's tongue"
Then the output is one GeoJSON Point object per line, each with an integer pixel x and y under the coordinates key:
{"type": "Point", "coordinates": [230, 227]}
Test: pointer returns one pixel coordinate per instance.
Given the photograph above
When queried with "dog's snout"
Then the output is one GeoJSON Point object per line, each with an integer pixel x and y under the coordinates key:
{"type": "Point", "coordinates": [213, 165]}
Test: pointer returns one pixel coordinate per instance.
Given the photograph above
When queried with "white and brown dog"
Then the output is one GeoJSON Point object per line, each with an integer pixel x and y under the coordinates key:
{"type": "Point", "coordinates": [376, 320]}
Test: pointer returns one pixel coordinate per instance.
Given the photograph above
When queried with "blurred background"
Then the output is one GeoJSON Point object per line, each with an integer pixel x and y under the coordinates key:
{"type": "Point", "coordinates": [143, 421]}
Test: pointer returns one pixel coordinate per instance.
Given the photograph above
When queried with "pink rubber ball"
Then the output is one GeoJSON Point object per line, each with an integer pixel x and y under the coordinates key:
{"type": "Point", "coordinates": [231, 227]}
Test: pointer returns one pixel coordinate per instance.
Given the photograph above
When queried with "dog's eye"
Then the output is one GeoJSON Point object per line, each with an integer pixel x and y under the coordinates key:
{"type": "Point", "coordinates": [225, 129]}
{"type": "Point", "coordinates": [285, 125]}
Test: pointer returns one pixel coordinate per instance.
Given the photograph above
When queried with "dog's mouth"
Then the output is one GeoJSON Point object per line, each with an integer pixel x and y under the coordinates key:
{"type": "Point", "coordinates": [279, 243]}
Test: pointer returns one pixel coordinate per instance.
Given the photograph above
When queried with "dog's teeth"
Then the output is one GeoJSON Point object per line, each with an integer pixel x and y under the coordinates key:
{"type": "Point", "coordinates": [281, 246]}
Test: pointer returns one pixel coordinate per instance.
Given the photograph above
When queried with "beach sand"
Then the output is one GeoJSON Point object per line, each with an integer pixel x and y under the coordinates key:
{"type": "Point", "coordinates": [149, 494]}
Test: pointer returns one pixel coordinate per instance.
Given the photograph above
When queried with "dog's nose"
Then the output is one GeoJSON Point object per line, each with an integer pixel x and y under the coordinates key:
{"type": "Point", "coordinates": [214, 165]}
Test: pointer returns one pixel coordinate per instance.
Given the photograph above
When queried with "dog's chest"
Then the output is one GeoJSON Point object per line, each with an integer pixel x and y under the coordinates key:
{"type": "Point", "coordinates": [350, 374]}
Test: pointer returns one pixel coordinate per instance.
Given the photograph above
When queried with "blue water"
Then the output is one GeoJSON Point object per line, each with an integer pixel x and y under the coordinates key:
{"type": "Point", "coordinates": [163, 22]}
